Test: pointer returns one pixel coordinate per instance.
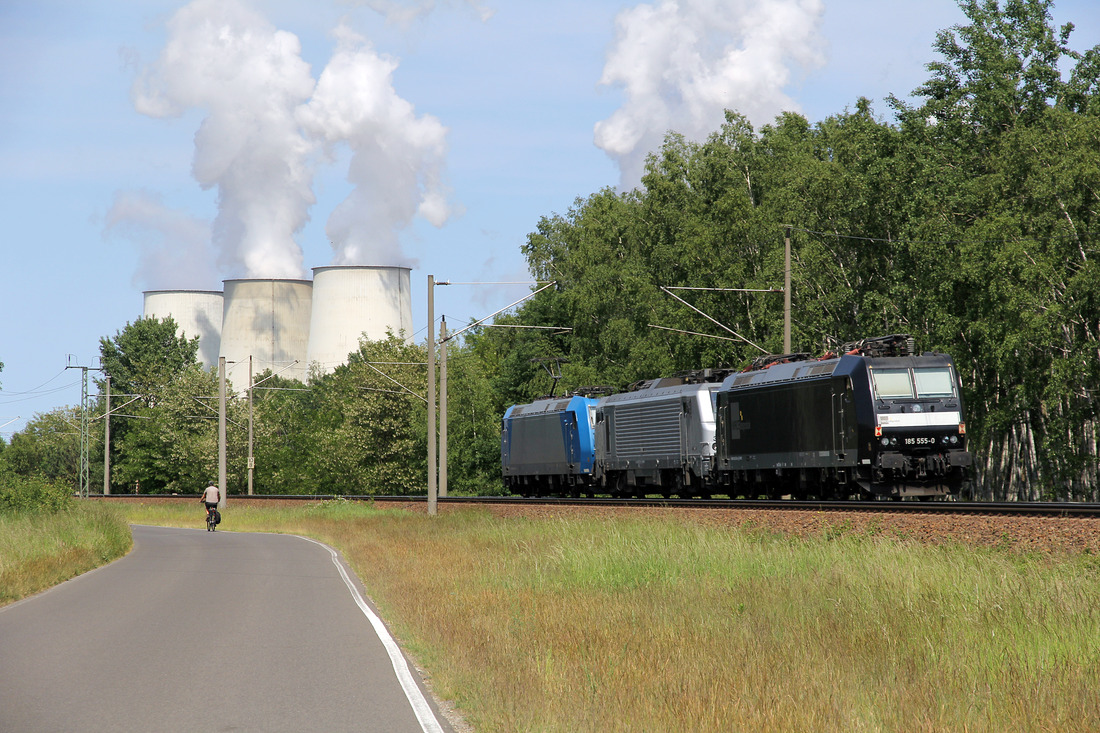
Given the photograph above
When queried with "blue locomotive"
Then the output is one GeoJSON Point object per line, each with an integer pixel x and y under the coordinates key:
{"type": "Point", "coordinates": [546, 447]}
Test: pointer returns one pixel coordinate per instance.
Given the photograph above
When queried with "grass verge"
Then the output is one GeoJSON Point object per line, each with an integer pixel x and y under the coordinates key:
{"type": "Point", "coordinates": [41, 549]}
{"type": "Point", "coordinates": [596, 625]}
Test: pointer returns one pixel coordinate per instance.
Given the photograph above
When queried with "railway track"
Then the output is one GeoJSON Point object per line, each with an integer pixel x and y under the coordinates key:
{"type": "Point", "coordinates": [1034, 509]}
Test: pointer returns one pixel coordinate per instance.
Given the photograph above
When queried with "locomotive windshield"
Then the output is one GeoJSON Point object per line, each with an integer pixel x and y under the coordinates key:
{"type": "Point", "coordinates": [922, 382]}
{"type": "Point", "coordinates": [892, 384]}
{"type": "Point", "coordinates": [934, 382]}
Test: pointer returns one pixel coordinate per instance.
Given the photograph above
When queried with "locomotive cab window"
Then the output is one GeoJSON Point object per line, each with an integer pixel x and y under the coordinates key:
{"type": "Point", "coordinates": [934, 382]}
{"type": "Point", "coordinates": [892, 383]}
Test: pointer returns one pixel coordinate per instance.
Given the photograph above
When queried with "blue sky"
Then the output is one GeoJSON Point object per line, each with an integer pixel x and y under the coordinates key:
{"type": "Point", "coordinates": [515, 109]}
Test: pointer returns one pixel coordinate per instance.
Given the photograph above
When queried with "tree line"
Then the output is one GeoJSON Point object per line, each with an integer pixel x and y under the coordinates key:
{"type": "Point", "coordinates": [969, 220]}
{"type": "Point", "coordinates": [361, 429]}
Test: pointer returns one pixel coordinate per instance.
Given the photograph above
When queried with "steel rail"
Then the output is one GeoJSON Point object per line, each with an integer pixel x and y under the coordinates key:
{"type": "Point", "coordinates": [1017, 508]}
{"type": "Point", "coordinates": [920, 507]}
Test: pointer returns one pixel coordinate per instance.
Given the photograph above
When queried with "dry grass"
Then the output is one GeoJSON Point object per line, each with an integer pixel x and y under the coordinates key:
{"type": "Point", "coordinates": [39, 550]}
{"type": "Point", "coordinates": [596, 625]}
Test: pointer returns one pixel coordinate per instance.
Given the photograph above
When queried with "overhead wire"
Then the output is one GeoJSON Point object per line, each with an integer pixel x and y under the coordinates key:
{"type": "Point", "coordinates": [35, 389]}
{"type": "Point", "coordinates": [11, 397]}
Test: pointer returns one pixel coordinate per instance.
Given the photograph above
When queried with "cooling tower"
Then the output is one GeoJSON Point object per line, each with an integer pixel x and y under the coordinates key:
{"type": "Point", "coordinates": [269, 321]}
{"type": "Point", "coordinates": [351, 301]}
{"type": "Point", "coordinates": [196, 313]}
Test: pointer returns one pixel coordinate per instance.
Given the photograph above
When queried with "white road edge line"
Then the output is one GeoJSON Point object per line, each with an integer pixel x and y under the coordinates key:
{"type": "Point", "coordinates": [420, 706]}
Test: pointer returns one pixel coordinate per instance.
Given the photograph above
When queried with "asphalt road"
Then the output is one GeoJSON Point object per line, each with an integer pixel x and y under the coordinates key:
{"type": "Point", "coordinates": [201, 631]}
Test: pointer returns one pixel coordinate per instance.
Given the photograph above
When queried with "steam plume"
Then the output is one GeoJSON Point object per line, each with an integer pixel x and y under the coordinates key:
{"type": "Point", "coordinates": [681, 63]}
{"type": "Point", "coordinates": [174, 246]}
{"type": "Point", "coordinates": [397, 157]}
{"type": "Point", "coordinates": [228, 60]}
{"type": "Point", "coordinates": [266, 122]}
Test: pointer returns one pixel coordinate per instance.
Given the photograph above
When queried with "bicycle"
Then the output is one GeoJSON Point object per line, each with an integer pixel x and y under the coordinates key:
{"type": "Point", "coordinates": [211, 520]}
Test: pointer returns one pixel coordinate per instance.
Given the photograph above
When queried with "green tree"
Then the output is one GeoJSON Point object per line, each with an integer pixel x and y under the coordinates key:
{"type": "Point", "coordinates": [1009, 152]}
{"type": "Point", "coordinates": [999, 70]}
{"type": "Point", "coordinates": [155, 438]}
{"type": "Point", "coordinates": [48, 446]}
{"type": "Point", "coordinates": [286, 427]}
{"type": "Point", "coordinates": [362, 429]}
{"type": "Point", "coordinates": [3, 443]}
{"type": "Point", "coordinates": [971, 223]}
{"type": "Point", "coordinates": [374, 441]}
{"type": "Point", "coordinates": [172, 447]}
{"type": "Point", "coordinates": [473, 424]}
{"type": "Point", "coordinates": [145, 356]}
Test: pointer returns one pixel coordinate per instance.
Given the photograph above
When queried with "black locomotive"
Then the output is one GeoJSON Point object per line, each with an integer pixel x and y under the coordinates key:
{"type": "Point", "coordinates": [878, 421]}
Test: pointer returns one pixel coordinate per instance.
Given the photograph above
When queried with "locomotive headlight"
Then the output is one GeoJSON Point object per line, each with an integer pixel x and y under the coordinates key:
{"type": "Point", "coordinates": [954, 440]}
{"type": "Point", "coordinates": [886, 441]}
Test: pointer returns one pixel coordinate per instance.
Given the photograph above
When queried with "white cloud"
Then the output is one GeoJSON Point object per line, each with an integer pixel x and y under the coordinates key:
{"type": "Point", "coordinates": [681, 63]}
{"type": "Point", "coordinates": [404, 12]}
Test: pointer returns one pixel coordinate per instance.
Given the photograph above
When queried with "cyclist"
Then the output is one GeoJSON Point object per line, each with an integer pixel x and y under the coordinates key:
{"type": "Point", "coordinates": [210, 497]}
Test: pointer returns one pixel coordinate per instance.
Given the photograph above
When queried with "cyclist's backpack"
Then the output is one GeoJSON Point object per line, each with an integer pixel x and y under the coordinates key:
{"type": "Point", "coordinates": [217, 517]}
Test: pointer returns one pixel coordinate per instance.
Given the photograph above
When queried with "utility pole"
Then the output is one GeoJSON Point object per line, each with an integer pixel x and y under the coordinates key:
{"type": "Point", "coordinates": [787, 292]}
{"type": "Point", "coordinates": [84, 477]}
{"type": "Point", "coordinates": [107, 440]}
{"type": "Point", "coordinates": [84, 434]}
{"type": "Point", "coordinates": [443, 406]}
{"type": "Point", "coordinates": [251, 460]}
{"type": "Point", "coordinates": [221, 433]}
{"type": "Point", "coordinates": [444, 337]}
{"type": "Point", "coordinates": [431, 397]}
{"type": "Point", "coordinates": [83, 472]}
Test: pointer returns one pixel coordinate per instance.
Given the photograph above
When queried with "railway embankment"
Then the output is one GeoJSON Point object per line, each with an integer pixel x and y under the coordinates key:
{"type": "Point", "coordinates": [1042, 534]}
{"type": "Point", "coordinates": [1017, 532]}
